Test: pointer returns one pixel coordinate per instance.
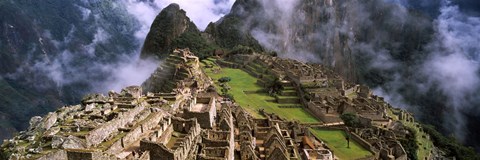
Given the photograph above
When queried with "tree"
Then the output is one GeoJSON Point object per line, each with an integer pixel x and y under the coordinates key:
{"type": "Point", "coordinates": [274, 87]}
{"type": "Point", "coordinates": [350, 119]}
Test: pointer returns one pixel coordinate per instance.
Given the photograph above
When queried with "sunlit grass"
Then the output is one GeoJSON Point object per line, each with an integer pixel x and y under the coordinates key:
{"type": "Point", "coordinates": [336, 141]}
{"type": "Point", "coordinates": [242, 81]}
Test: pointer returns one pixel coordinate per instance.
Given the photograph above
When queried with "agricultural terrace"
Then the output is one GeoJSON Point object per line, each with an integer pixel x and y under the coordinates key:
{"type": "Point", "coordinates": [251, 96]}
{"type": "Point", "coordinates": [336, 141]}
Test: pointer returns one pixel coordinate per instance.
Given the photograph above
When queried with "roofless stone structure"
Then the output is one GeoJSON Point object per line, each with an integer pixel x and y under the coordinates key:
{"type": "Point", "coordinates": [175, 115]}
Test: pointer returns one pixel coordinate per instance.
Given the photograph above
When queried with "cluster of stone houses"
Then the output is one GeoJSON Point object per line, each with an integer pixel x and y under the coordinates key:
{"type": "Point", "coordinates": [182, 120]}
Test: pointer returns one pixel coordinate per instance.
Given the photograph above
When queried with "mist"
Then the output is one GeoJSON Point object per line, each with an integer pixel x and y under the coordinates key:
{"type": "Point", "coordinates": [201, 12]}
{"type": "Point", "coordinates": [101, 71]}
{"type": "Point", "coordinates": [404, 55]}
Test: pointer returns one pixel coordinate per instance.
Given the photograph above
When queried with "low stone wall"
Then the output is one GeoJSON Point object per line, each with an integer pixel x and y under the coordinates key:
{"type": "Point", "coordinates": [157, 151]}
{"type": "Point", "coordinates": [215, 143]}
{"type": "Point", "coordinates": [227, 64]}
{"type": "Point", "coordinates": [87, 155]}
{"type": "Point", "coordinates": [283, 93]}
{"type": "Point", "coordinates": [362, 142]}
{"type": "Point", "coordinates": [252, 73]}
{"type": "Point", "coordinates": [313, 125]}
{"type": "Point", "coordinates": [290, 106]}
{"type": "Point", "coordinates": [165, 136]}
{"type": "Point", "coordinates": [57, 155]}
{"type": "Point", "coordinates": [355, 138]}
{"type": "Point", "coordinates": [316, 111]}
{"type": "Point", "coordinates": [261, 83]}
{"type": "Point", "coordinates": [79, 155]}
{"type": "Point", "coordinates": [287, 100]}
{"type": "Point", "coordinates": [99, 134]}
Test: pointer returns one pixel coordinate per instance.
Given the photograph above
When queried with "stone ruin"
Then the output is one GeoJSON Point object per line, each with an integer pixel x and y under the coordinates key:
{"type": "Point", "coordinates": [172, 116]}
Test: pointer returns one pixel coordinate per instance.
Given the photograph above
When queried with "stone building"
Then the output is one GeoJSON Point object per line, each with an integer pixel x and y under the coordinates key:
{"type": "Point", "coordinates": [172, 117]}
{"type": "Point", "coordinates": [204, 109]}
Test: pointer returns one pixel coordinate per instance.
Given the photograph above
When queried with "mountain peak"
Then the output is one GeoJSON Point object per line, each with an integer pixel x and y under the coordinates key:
{"type": "Point", "coordinates": [169, 24]}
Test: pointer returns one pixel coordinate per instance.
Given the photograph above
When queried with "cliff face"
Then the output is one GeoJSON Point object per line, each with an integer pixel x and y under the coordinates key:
{"type": "Point", "coordinates": [341, 34]}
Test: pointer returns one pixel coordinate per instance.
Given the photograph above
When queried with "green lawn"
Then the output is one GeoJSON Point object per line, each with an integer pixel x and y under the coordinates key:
{"type": "Point", "coordinates": [335, 139]}
{"type": "Point", "coordinates": [242, 81]}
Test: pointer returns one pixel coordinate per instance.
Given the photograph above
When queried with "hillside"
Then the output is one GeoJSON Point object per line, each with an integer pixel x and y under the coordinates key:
{"type": "Point", "coordinates": [287, 105]}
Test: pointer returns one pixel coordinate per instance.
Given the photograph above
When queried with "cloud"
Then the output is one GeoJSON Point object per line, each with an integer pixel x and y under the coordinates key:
{"type": "Point", "coordinates": [83, 57]}
{"type": "Point", "coordinates": [201, 12]}
{"type": "Point", "coordinates": [447, 62]}
{"type": "Point", "coordinates": [128, 72]}
{"type": "Point", "coordinates": [454, 62]}
{"type": "Point", "coordinates": [451, 67]}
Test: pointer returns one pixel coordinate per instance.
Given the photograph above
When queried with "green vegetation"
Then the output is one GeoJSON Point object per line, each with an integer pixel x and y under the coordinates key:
{"type": "Point", "coordinates": [242, 82]}
{"type": "Point", "coordinates": [194, 41]}
{"type": "Point", "coordinates": [450, 145]}
{"type": "Point", "coordinates": [239, 49]}
{"type": "Point", "coordinates": [336, 141]}
{"type": "Point", "coordinates": [410, 144]}
{"type": "Point", "coordinates": [224, 79]}
{"type": "Point", "coordinates": [417, 142]}
{"type": "Point", "coordinates": [350, 119]}
{"type": "Point", "coordinates": [228, 35]}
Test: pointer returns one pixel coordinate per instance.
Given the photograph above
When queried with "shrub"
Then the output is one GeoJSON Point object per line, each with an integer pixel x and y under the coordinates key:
{"type": "Point", "coordinates": [224, 79]}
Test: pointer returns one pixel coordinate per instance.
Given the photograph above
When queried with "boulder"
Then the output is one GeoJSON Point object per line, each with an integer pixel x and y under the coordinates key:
{"type": "Point", "coordinates": [49, 121]}
{"type": "Point", "coordinates": [132, 91]}
{"type": "Point", "coordinates": [89, 107]}
{"type": "Point", "coordinates": [52, 131]}
{"type": "Point", "coordinates": [34, 122]}
{"type": "Point", "coordinates": [94, 98]}
{"type": "Point", "coordinates": [57, 141]}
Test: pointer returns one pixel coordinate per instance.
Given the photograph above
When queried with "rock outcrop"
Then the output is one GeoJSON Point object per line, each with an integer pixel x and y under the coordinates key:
{"type": "Point", "coordinates": [169, 25]}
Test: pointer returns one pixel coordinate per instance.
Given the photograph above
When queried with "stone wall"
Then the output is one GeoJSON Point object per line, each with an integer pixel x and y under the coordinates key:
{"type": "Point", "coordinates": [215, 143]}
{"type": "Point", "coordinates": [214, 153]}
{"type": "Point", "coordinates": [137, 132]}
{"type": "Point", "coordinates": [287, 100]}
{"type": "Point", "coordinates": [99, 134]}
{"type": "Point", "coordinates": [87, 155]}
{"type": "Point", "coordinates": [188, 144]}
{"type": "Point", "coordinates": [362, 142]}
{"type": "Point", "coordinates": [206, 119]}
{"type": "Point", "coordinates": [57, 155]}
{"type": "Point", "coordinates": [316, 110]}
{"type": "Point", "coordinates": [157, 151]}
{"type": "Point", "coordinates": [79, 155]}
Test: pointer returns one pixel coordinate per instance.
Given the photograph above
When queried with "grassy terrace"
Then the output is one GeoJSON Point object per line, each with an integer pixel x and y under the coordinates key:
{"type": "Point", "coordinates": [252, 102]}
{"type": "Point", "coordinates": [335, 139]}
